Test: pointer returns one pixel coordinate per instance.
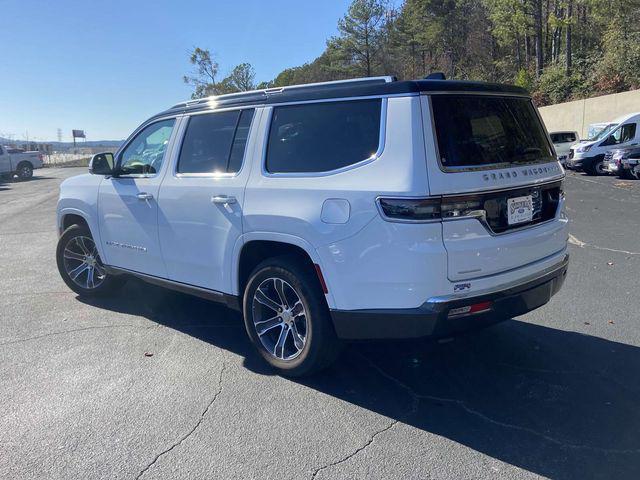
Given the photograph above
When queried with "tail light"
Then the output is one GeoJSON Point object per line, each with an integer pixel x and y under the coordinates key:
{"type": "Point", "coordinates": [41, 157]}
{"type": "Point", "coordinates": [430, 209]}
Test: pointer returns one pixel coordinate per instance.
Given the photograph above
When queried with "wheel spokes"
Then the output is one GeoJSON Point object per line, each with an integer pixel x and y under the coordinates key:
{"type": "Point", "coordinates": [282, 339]}
{"type": "Point", "coordinates": [89, 273]}
{"type": "Point", "coordinates": [71, 255]}
{"type": "Point", "coordinates": [261, 297]}
{"type": "Point", "coordinates": [264, 326]}
{"type": "Point", "coordinates": [298, 340]}
{"type": "Point", "coordinates": [75, 273]}
{"type": "Point", "coordinates": [278, 285]}
{"type": "Point", "coordinates": [279, 318]}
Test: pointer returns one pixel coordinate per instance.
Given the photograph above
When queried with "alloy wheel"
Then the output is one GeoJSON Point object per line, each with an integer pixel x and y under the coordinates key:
{"type": "Point", "coordinates": [279, 318]}
{"type": "Point", "coordinates": [82, 263]}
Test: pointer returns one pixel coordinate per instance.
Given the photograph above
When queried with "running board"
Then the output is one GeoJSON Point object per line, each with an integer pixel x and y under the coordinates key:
{"type": "Point", "coordinates": [231, 301]}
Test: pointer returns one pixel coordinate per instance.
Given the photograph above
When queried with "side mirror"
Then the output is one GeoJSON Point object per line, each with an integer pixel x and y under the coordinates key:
{"type": "Point", "coordinates": [102, 164]}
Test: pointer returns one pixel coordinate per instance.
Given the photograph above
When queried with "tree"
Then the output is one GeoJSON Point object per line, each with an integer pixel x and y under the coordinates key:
{"type": "Point", "coordinates": [203, 77]}
{"type": "Point", "coordinates": [360, 33]}
{"type": "Point", "coordinates": [558, 49]}
{"type": "Point", "coordinates": [242, 77]}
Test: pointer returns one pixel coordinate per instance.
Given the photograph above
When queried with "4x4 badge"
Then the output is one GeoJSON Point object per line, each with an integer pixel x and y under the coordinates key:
{"type": "Point", "coordinates": [459, 287]}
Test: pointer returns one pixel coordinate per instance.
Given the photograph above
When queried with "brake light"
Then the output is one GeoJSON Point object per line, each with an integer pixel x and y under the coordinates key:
{"type": "Point", "coordinates": [431, 208]}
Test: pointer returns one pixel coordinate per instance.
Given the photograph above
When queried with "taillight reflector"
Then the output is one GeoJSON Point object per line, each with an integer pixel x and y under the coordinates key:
{"type": "Point", "coordinates": [470, 309]}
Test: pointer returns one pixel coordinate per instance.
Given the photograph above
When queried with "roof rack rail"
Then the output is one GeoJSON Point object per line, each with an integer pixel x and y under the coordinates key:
{"type": "Point", "coordinates": [276, 90]}
{"type": "Point", "coordinates": [435, 76]}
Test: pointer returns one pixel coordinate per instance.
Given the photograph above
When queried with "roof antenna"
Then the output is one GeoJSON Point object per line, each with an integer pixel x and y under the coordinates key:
{"type": "Point", "coordinates": [435, 76]}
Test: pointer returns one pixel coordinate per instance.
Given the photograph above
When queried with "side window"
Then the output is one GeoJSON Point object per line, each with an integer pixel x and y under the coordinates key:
{"type": "Point", "coordinates": [145, 153]}
{"type": "Point", "coordinates": [571, 137]}
{"type": "Point", "coordinates": [320, 137]}
{"type": "Point", "coordinates": [215, 142]}
{"type": "Point", "coordinates": [623, 134]}
{"type": "Point", "coordinates": [556, 137]}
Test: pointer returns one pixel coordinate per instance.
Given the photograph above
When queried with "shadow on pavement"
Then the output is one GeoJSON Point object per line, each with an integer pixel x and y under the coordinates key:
{"type": "Point", "coordinates": [559, 404]}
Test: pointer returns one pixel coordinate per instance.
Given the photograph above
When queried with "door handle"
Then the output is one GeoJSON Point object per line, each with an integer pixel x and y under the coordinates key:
{"type": "Point", "coordinates": [224, 199]}
{"type": "Point", "coordinates": [144, 196]}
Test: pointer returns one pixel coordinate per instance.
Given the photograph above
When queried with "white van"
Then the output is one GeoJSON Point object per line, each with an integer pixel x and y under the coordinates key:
{"type": "Point", "coordinates": [360, 209]}
{"type": "Point", "coordinates": [562, 142]}
{"type": "Point", "coordinates": [589, 156]}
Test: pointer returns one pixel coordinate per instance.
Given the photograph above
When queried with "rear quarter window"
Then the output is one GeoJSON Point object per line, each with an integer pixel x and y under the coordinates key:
{"type": "Point", "coordinates": [321, 137]}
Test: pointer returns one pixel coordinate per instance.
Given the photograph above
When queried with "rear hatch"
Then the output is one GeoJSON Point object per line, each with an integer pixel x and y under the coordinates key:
{"type": "Point", "coordinates": [493, 165]}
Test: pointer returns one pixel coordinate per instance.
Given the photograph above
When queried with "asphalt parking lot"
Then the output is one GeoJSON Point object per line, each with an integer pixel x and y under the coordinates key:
{"type": "Point", "coordinates": [156, 384]}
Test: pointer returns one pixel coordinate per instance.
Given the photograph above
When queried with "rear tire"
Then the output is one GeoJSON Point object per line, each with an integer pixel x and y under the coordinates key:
{"type": "Point", "coordinates": [80, 265]}
{"type": "Point", "coordinates": [287, 318]}
{"type": "Point", "coordinates": [25, 171]}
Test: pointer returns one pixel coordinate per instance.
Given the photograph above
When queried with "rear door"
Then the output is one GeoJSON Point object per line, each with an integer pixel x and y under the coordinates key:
{"type": "Point", "coordinates": [201, 198]}
{"type": "Point", "coordinates": [490, 159]}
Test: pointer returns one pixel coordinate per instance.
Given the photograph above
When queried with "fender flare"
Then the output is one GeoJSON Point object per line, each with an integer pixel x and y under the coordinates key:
{"type": "Point", "coordinates": [93, 228]}
{"type": "Point", "coordinates": [273, 237]}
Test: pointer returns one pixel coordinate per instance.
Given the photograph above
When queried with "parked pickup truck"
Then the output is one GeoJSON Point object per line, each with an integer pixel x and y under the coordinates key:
{"type": "Point", "coordinates": [15, 162]}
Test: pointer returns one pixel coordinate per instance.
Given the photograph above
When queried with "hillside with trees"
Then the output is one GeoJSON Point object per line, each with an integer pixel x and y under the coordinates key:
{"type": "Point", "coordinates": [558, 49]}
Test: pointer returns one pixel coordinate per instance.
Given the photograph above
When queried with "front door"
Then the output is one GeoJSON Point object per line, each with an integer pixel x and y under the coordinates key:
{"type": "Point", "coordinates": [200, 216]}
{"type": "Point", "coordinates": [128, 202]}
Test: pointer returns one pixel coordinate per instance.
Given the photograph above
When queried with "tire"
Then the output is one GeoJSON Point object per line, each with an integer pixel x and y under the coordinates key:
{"type": "Point", "coordinates": [310, 343]}
{"type": "Point", "coordinates": [596, 168]}
{"type": "Point", "coordinates": [626, 174]}
{"type": "Point", "coordinates": [634, 173]}
{"type": "Point", "coordinates": [77, 259]}
{"type": "Point", "coordinates": [25, 171]}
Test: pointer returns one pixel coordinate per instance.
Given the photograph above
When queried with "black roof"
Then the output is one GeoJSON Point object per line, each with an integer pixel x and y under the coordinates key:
{"type": "Point", "coordinates": [346, 89]}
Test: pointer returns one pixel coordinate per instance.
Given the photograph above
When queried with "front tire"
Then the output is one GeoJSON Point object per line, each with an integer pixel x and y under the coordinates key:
{"type": "Point", "coordinates": [287, 318]}
{"type": "Point", "coordinates": [80, 265]}
{"type": "Point", "coordinates": [596, 168]}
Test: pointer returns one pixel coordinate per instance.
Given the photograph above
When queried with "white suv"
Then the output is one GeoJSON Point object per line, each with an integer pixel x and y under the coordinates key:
{"type": "Point", "coordinates": [362, 209]}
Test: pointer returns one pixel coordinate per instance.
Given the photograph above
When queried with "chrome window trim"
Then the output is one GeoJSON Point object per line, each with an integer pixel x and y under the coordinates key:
{"type": "Point", "coordinates": [212, 105]}
{"type": "Point", "coordinates": [490, 166]}
{"type": "Point", "coordinates": [187, 117]}
{"type": "Point", "coordinates": [381, 142]}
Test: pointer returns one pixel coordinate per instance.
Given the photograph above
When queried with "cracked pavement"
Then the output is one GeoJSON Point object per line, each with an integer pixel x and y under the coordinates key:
{"type": "Point", "coordinates": [154, 384]}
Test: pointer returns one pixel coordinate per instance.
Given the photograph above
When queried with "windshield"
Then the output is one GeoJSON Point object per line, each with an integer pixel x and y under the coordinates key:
{"type": "Point", "coordinates": [476, 131]}
{"type": "Point", "coordinates": [600, 134]}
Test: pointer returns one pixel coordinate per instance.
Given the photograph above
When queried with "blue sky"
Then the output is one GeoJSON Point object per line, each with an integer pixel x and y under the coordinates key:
{"type": "Point", "coordinates": [104, 66]}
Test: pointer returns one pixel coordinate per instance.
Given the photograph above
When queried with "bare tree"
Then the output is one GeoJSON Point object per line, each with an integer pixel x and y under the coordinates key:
{"type": "Point", "coordinates": [203, 77]}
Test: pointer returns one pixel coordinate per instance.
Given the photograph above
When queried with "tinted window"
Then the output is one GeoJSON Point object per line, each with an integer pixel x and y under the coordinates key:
{"type": "Point", "coordinates": [207, 143]}
{"type": "Point", "coordinates": [146, 151]}
{"type": "Point", "coordinates": [625, 133]}
{"type": "Point", "coordinates": [563, 137]}
{"type": "Point", "coordinates": [476, 131]}
{"type": "Point", "coordinates": [319, 137]}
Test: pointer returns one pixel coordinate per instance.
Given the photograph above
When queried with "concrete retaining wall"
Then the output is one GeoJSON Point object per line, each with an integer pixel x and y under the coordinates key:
{"type": "Point", "coordinates": [579, 114]}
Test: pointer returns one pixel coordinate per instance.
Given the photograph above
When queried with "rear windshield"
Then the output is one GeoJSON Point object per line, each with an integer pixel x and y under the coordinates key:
{"type": "Point", "coordinates": [477, 131]}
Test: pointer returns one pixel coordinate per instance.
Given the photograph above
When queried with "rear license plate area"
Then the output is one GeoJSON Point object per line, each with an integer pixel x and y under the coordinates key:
{"type": "Point", "coordinates": [519, 210]}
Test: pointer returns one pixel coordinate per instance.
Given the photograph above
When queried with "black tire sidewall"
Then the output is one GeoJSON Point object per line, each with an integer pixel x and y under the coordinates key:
{"type": "Point", "coordinates": [320, 338]}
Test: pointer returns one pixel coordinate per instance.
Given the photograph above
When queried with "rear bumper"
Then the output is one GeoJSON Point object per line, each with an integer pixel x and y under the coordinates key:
{"type": "Point", "coordinates": [431, 318]}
